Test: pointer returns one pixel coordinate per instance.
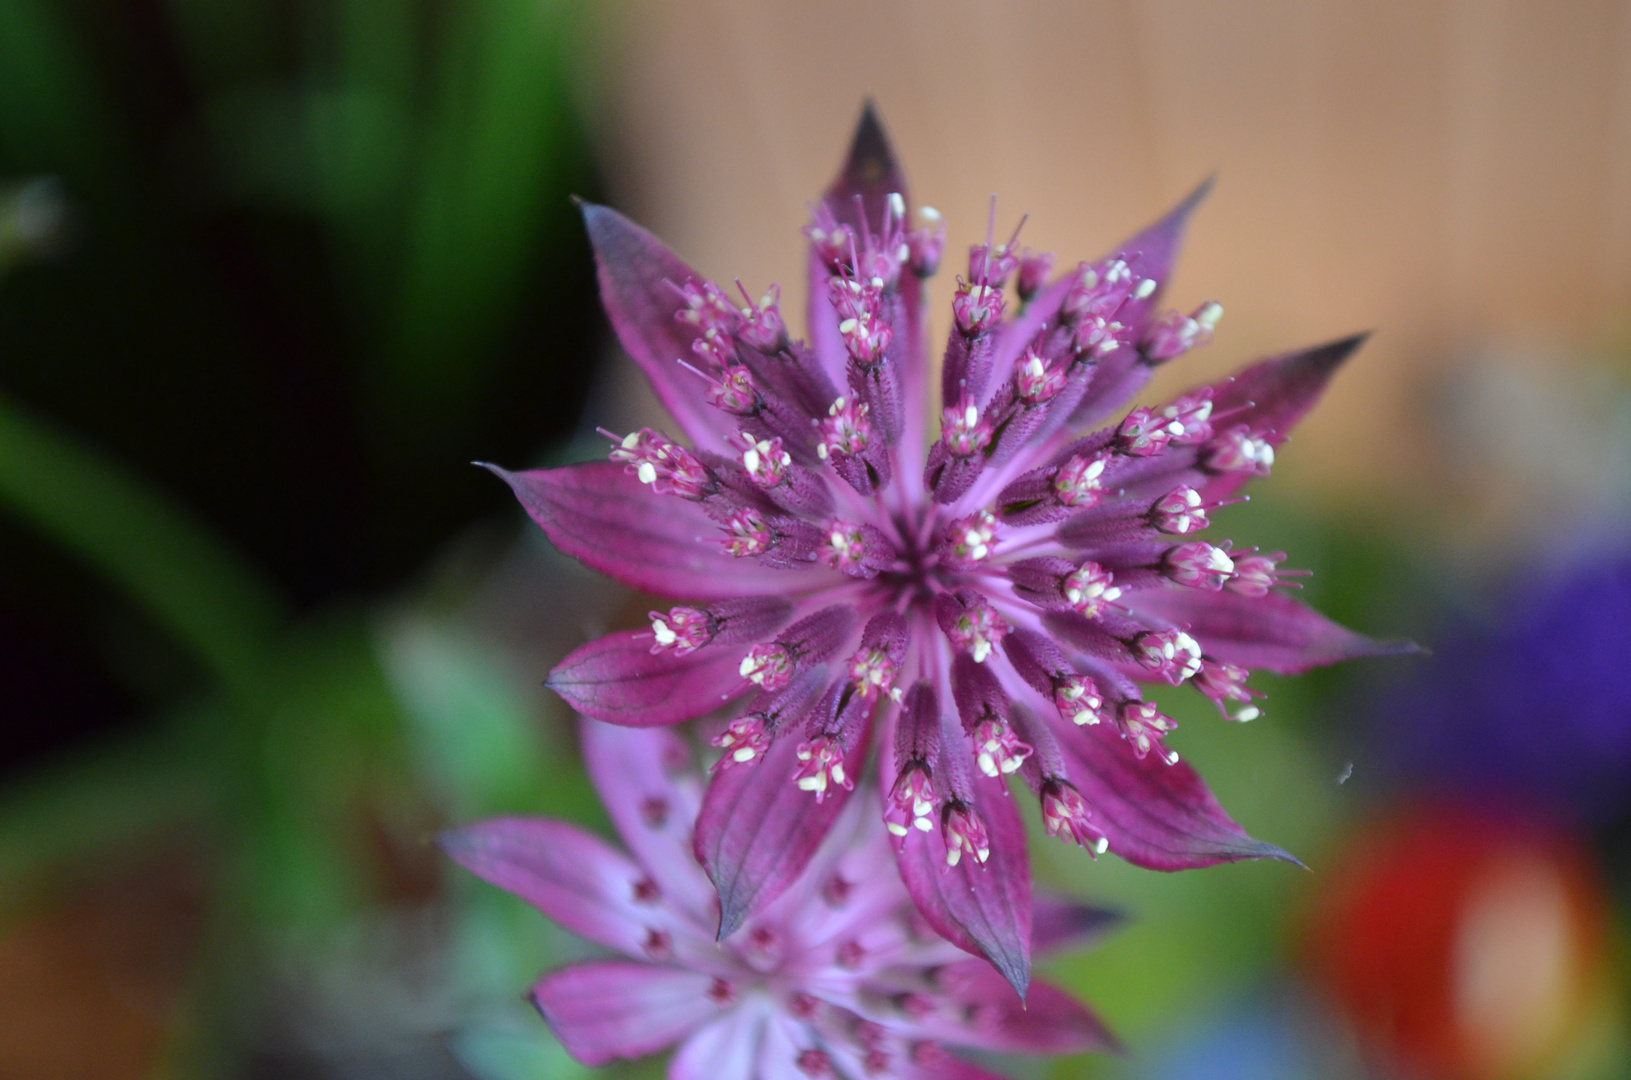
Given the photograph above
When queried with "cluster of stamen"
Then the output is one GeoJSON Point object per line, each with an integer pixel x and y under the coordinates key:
{"type": "Point", "coordinates": [1143, 725]}
{"type": "Point", "coordinates": [1171, 654]}
{"type": "Point", "coordinates": [1077, 483]}
{"type": "Point", "coordinates": [768, 667]}
{"type": "Point", "coordinates": [748, 533]}
{"type": "Point", "coordinates": [1175, 334]}
{"type": "Point", "coordinates": [964, 431]}
{"type": "Point", "coordinates": [911, 801]}
{"type": "Point", "coordinates": [997, 750]}
{"type": "Point", "coordinates": [872, 673]}
{"type": "Point", "coordinates": [1199, 565]}
{"type": "Point", "coordinates": [821, 767]}
{"type": "Point", "coordinates": [743, 740]}
{"type": "Point", "coordinates": [977, 629]}
{"type": "Point", "coordinates": [963, 833]}
{"type": "Point", "coordinates": [662, 464]}
{"type": "Point", "coordinates": [682, 631]}
{"type": "Point", "coordinates": [1065, 814]}
{"type": "Point", "coordinates": [1036, 382]}
{"type": "Point", "coordinates": [1078, 699]}
{"type": "Point", "coordinates": [845, 431]}
{"type": "Point", "coordinates": [973, 536]}
{"type": "Point", "coordinates": [1089, 588]}
{"type": "Point", "coordinates": [1101, 486]}
{"type": "Point", "coordinates": [765, 460]}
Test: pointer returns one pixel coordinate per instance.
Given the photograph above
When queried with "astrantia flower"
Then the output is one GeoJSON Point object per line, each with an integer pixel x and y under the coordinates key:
{"type": "Point", "coordinates": [978, 587]}
{"type": "Point", "coordinates": [838, 978]}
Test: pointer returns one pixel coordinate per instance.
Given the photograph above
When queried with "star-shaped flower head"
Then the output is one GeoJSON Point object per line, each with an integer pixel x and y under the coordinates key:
{"type": "Point", "coordinates": [976, 589]}
{"type": "Point", "coordinates": [840, 977]}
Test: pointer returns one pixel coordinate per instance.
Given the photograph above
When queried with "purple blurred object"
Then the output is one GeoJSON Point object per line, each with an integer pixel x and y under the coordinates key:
{"type": "Point", "coordinates": [1536, 710]}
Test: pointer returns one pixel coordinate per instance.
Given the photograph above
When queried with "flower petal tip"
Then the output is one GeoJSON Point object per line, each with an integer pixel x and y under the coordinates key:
{"type": "Point", "coordinates": [871, 158]}
{"type": "Point", "coordinates": [1016, 969]}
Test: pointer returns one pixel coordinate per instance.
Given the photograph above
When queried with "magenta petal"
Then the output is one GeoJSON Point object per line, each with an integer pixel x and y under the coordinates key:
{"type": "Point", "coordinates": [944, 1067]}
{"type": "Point", "coordinates": [610, 522]}
{"type": "Point", "coordinates": [1155, 815]}
{"type": "Point", "coordinates": [982, 908]}
{"type": "Point", "coordinates": [619, 679]}
{"type": "Point", "coordinates": [1060, 925]}
{"type": "Point", "coordinates": [1272, 632]}
{"type": "Point", "coordinates": [648, 789]}
{"type": "Point", "coordinates": [1153, 252]}
{"type": "Point", "coordinates": [612, 1009]}
{"type": "Point", "coordinates": [871, 171]}
{"type": "Point", "coordinates": [986, 1014]}
{"type": "Point", "coordinates": [575, 878]}
{"type": "Point", "coordinates": [1272, 395]}
{"type": "Point", "coordinates": [758, 829]}
{"type": "Point", "coordinates": [635, 269]}
{"type": "Point", "coordinates": [723, 1048]}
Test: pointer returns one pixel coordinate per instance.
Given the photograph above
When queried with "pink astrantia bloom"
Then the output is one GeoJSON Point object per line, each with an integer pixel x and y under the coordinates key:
{"type": "Point", "coordinates": [976, 585]}
{"type": "Point", "coordinates": [840, 977]}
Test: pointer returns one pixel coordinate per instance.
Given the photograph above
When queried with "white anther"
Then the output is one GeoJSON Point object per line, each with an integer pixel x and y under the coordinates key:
{"type": "Point", "coordinates": [664, 633]}
{"type": "Point", "coordinates": [1145, 288]}
{"type": "Point", "coordinates": [897, 204]}
{"type": "Point", "coordinates": [646, 472]}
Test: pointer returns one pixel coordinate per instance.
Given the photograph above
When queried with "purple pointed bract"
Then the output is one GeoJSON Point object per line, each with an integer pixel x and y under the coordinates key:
{"type": "Point", "coordinates": [974, 589]}
{"type": "Point", "coordinates": [840, 977]}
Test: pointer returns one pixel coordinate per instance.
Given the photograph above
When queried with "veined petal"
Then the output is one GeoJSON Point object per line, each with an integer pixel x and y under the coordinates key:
{"type": "Point", "coordinates": [870, 172]}
{"type": "Point", "coordinates": [652, 796]}
{"type": "Point", "coordinates": [619, 679]}
{"type": "Point", "coordinates": [635, 270]}
{"type": "Point", "coordinates": [1155, 815]}
{"type": "Point", "coordinates": [982, 908]}
{"type": "Point", "coordinates": [758, 830]}
{"type": "Point", "coordinates": [1273, 394]}
{"type": "Point", "coordinates": [980, 1010]}
{"type": "Point", "coordinates": [1272, 632]}
{"type": "Point", "coordinates": [664, 544]}
{"type": "Point", "coordinates": [944, 1067]}
{"type": "Point", "coordinates": [611, 1009]}
{"type": "Point", "coordinates": [724, 1048]}
{"type": "Point", "coordinates": [1152, 254]}
{"type": "Point", "coordinates": [1059, 925]}
{"type": "Point", "coordinates": [575, 878]}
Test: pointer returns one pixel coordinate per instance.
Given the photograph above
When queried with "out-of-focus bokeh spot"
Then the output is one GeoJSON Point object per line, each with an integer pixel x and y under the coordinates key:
{"type": "Point", "coordinates": [1465, 944]}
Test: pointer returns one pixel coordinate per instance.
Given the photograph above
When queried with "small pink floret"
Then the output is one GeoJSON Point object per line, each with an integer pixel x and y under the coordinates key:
{"type": "Point", "coordinates": [768, 666]}
{"type": "Point", "coordinates": [1078, 699]}
{"type": "Point", "coordinates": [682, 631]}
{"type": "Point", "coordinates": [821, 767]}
{"type": "Point", "coordinates": [964, 833]}
{"type": "Point", "coordinates": [1065, 813]}
{"type": "Point", "coordinates": [997, 750]}
{"type": "Point", "coordinates": [1199, 565]}
{"type": "Point", "coordinates": [743, 740]}
{"type": "Point", "coordinates": [1077, 483]}
{"type": "Point", "coordinates": [1143, 725]}
{"type": "Point", "coordinates": [1171, 654]}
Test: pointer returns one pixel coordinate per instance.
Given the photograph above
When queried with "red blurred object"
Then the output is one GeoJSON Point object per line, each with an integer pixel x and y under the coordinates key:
{"type": "Point", "coordinates": [1461, 944]}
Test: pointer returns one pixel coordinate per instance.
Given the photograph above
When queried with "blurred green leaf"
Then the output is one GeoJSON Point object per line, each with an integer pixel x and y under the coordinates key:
{"type": "Point", "coordinates": [192, 586]}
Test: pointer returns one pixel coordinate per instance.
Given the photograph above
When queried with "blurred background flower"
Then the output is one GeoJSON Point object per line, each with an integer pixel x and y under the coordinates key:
{"type": "Point", "coordinates": [271, 274]}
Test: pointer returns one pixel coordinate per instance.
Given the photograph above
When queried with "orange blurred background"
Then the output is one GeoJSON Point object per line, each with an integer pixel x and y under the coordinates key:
{"type": "Point", "coordinates": [1453, 175]}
